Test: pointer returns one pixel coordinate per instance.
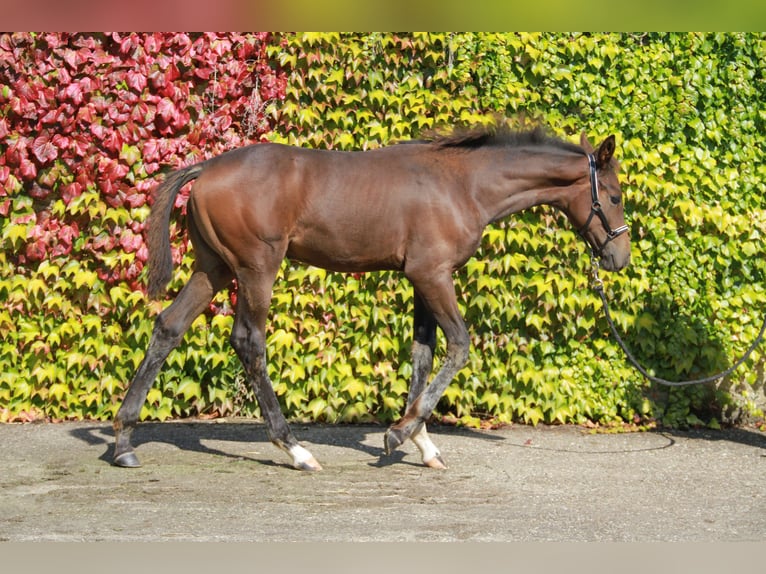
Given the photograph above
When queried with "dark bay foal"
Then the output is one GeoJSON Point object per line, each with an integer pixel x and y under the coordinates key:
{"type": "Point", "coordinates": [418, 208]}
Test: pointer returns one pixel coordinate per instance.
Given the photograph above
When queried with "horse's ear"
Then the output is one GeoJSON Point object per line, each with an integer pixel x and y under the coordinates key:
{"type": "Point", "coordinates": [585, 144]}
{"type": "Point", "coordinates": [605, 152]}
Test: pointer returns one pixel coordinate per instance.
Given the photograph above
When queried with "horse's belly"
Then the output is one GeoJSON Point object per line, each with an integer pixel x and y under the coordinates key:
{"type": "Point", "coordinates": [349, 254]}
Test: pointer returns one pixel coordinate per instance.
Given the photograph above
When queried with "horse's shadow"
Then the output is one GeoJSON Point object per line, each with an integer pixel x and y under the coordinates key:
{"type": "Point", "coordinates": [738, 435]}
{"type": "Point", "coordinates": [192, 436]}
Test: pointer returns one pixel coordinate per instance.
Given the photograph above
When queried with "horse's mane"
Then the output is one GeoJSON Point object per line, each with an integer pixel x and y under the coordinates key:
{"type": "Point", "coordinates": [498, 136]}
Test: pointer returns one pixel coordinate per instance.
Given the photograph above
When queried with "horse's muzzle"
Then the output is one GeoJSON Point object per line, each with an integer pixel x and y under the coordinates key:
{"type": "Point", "coordinates": [615, 255]}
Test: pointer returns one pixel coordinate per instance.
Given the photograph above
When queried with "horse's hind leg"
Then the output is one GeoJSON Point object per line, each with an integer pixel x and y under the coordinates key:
{"type": "Point", "coordinates": [423, 346]}
{"type": "Point", "coordinates": [169, 329]}
{"type": "Point", "coordinates": [249, 341]}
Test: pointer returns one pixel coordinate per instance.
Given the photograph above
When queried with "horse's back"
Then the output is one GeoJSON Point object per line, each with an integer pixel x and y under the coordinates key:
{"type": "Point", "coordinates": [344, 211]}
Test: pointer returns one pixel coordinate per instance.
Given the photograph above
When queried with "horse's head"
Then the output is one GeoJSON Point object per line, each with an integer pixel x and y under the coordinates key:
{"type": "Point", "coordinates": [598, 211]}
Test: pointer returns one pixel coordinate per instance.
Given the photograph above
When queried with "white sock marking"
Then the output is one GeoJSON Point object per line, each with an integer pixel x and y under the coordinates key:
{"type": "Point", "coordinates": [427, 449]}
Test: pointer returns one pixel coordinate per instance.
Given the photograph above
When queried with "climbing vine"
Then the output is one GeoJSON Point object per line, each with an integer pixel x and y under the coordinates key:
{"type": "Point", "coordinates": [89, 123]}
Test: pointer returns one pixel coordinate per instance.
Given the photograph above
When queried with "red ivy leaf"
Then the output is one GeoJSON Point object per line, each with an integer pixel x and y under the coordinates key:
{"type": "Point", "coordinates": [81, 146]}
{"type": "Point", "coordinates": [112, 141]}
{"type": "Point", "coordinates": [151, 150]}
{"type": "Point", "coordinates": [142, 113]}
{"type": "Point", "coordinates": [130, 242]}
{"type": "Point", "coordinates": [44, 150]}
{"type": "Point", "coordinates": [51, 118]}
{"type": "Point", "coordinates": [68, 234]}
{"type": "Point", "coordinates": [136, 80]}
{"type": "Point", "coordinates": [203, 73]}
{"type": "Point", "coordinates": [98, 130]}
{"type": "Point", "coordinates": [172, 73]}
{"type": "Point", "coordinates": [70, 57]}
{"type": "Point", "coordinates": [167, 109]}
{"type": "Point", "coordinates": [86, 114]}
{"type": "Point", "coordinates": [142, 254]}
{"type": "Point", "coordinates": [135, 199]}
{"type": "Point", "coordinates": [103, 242]}
{"type": "Point", "coordinates": [38, 192]}
{"type": "Point", "coordinates": [61, 142]}
{"type": "Point", "coordinates": [74, 93]}
{"type": "Point", "coordinates": [152, 44]}
{"type": "Point", "coordinates": [27, 169]}
{"type": "Point", "coordinates": [53, 40]}
{"type": "Point", "coordinates": [111, 170]}
{"type": "Point", "coordinates": [36, 251]}
{"type": "Point", "coordinates": [70, 191]}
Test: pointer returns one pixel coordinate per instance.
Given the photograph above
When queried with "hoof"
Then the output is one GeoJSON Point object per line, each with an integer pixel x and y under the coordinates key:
{"type": "Point", "coordinates": [310, 465]}
{"type": "Point", "coordinates": [303, 459]}
{"type": "Point", "coordinates": [392, 440]}
{"type": "Point", "coordinates": [127, 460]}
{"type": "Point", "coordinates": [436, 462]}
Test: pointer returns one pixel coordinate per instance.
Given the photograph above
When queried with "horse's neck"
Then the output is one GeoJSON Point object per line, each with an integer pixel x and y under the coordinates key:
{"type": "Point", "coordinates": [518, 181]}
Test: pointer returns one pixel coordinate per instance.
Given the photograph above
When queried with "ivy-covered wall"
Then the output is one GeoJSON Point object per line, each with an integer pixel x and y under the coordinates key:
{"type": "Point", "coordinates": [90, 123]}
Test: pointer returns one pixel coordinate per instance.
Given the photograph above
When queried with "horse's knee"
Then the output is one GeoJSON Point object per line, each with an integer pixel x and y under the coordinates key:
{"type": "Point", "coordinates": [458, 350]}
{"type": "Point", "coordinates": [168, 330]}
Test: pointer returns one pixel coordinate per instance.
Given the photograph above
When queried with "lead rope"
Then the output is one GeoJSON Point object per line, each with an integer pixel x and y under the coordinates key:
{"type": "Point", "coordinates": [598, 286]}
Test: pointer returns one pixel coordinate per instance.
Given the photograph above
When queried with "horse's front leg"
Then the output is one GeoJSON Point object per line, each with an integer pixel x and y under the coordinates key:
{"type": "Point", "coordinates": [423, 347]}
{"type": "Point", "coordinates": [438, 297]}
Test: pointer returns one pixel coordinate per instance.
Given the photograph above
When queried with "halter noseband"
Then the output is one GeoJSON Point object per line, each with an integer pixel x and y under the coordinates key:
{"type": "Point", "coordinates": [595, 209]}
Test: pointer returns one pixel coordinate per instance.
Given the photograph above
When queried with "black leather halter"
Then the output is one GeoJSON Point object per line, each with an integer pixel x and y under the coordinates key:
{"type": "Point", "coordinates": [595, 209]}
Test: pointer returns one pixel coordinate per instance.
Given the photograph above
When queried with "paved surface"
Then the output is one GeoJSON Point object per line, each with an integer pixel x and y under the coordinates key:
{"type": "Point", "coordinates": [223, 481]}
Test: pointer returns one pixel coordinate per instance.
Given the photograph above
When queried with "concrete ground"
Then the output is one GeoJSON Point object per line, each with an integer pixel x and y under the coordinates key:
{"type": "Point", "coordinates": [224, 481]}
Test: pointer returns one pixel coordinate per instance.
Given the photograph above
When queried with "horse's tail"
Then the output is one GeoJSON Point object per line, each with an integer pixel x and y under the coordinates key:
{"type": "Point", "coordinates": [160, 261]}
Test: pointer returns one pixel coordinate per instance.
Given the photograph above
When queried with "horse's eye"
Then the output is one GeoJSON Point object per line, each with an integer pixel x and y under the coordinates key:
{"type": "Point", "coordinates": [615, 199]}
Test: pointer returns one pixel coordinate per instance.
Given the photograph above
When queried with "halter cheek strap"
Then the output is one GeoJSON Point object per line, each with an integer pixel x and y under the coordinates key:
{"type": "Point", "coordinates": [595, 210]}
